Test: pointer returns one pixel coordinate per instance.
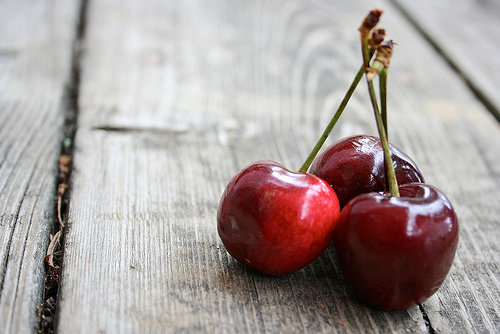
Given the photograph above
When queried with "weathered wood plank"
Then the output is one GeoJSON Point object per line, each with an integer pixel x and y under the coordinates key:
{"type": "Point", "coordinates": [177, 96]}
{"type": "Point", "coordinates": [35, 52]}
{"type": "Point", "coordinates": [473, 50]}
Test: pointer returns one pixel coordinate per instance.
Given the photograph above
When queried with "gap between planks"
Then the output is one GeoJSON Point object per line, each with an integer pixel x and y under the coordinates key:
{"type": "Point", "coordinates": [489, 105]}
{"type": "Point", "coordinates": [47, 312]}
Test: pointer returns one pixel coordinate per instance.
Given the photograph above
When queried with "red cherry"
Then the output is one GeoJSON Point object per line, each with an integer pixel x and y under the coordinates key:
{"type": "Point", "coordinates": [355, 165]}
{"type": "Point", "coordinates": [274, 220]}
{"type": "Point", "coordinates": [395, 252]}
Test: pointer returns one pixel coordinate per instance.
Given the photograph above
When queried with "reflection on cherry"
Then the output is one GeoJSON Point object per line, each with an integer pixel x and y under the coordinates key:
{"type": "Point", "coordinates": [355, 165]}
{"type": "Point", "coordinates": [395, 252]}
{"type": "Point", "coordinates": [274, 220]}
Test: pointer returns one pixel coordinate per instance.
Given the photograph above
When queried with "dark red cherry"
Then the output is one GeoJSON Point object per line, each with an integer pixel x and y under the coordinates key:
{"type": "Point", "coordinates": [274, 220]}
{"type": "Point", "coordinates": [355, 165]}
{"type": "Point", "coordinates": [395, 252]}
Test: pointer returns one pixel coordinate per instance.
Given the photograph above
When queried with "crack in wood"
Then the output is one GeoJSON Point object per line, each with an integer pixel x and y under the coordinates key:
{"type": "Point", "coordinates": [14, 219]}
{"type": "Point", "coordinates": [427, 321]}
{"type": "Point", "coordinates": [9, 243]}
{"type": "Point", "coordinates": [8, 53]}
{"type": "Point", "coordinates": [173, 131]}
{"type": "Point", "coordinates": [47, 312]}
{"type": "Point", "coordinates": [489, 105]}
{"type": "Point", "coordinates": [24, 248]}
{"type": "Point", "coordinates": [126, 129]}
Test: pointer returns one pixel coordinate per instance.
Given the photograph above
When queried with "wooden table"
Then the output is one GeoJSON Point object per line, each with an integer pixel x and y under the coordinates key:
{"type": "Point", "coordinates": [169, 99]}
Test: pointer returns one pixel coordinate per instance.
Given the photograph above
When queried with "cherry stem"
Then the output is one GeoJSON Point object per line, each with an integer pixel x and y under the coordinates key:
{"type": "Point", "coordinates": [305, 166]}
{"type": "Point", "coordinates": [366, 51]}
{"type": "Point", "coordinates": [383, 98]}
{"type": "Point", "coordinates": [389, 167]}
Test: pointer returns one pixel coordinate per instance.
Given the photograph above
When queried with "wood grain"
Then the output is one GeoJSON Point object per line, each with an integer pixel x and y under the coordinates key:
{"type": "Point", "coordinates": [466, 33]}
{"type": "Point", "coordinates": [177, 96]}
{"type": "Point", "coordinates": [35, 52]}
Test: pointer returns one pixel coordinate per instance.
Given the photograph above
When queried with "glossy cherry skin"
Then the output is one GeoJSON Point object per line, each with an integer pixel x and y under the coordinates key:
{"type": "Point", "coordinates": [395, 252]}
{"type": "Point", "coordinates": [355, 165]}
{"type": "Point", "coordinates": [274, 220]}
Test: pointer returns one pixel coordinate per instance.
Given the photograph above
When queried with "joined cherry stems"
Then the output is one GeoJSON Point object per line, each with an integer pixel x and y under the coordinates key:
{"type": "Point", "coordinates": [389, 166]}
{"type": "Point", "coordinates": [381, 118]}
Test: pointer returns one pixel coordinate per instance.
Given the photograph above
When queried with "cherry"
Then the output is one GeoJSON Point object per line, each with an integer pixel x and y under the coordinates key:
{"type": "Point", "coordinates": [274, 220]}
{"type": "Point", "coordinates": [355, 165]}
{"type": "Point", "coordinates": [395, 252]}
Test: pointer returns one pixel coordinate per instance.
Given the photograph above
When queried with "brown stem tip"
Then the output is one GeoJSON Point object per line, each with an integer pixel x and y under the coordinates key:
{"type": "Point", "coordinates": [382, 60]}
{"type": "Point", "coordinates": [384, 53]}
{"type": "Point", "coordinates": [370, 21]}
{"type": "Point", "coordinates": [378, 36]}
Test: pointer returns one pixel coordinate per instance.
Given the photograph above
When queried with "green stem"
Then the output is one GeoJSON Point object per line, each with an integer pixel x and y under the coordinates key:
{"type": "Point", "coordinates": [389, 167]}
{"type": "Point", "coordinates": [366, 51]}
{"type": "Point", "coordinates": [383, 98]}
{"type": "Point", "coordinates": [305, 166]}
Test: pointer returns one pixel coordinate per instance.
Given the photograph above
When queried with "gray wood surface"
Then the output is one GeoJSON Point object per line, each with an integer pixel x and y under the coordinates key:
{"type": "Point", "coordinates": [466, 32]}
{"type": "Point", "coordinates": [177, 96]}
{"type": "Point", "coordinates": [35, 52]}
